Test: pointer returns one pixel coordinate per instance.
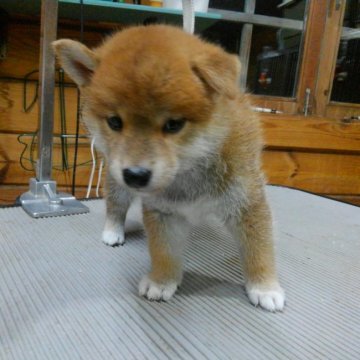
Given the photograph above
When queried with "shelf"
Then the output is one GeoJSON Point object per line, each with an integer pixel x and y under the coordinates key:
{"type": "Point", "coordinates": [103, 11]}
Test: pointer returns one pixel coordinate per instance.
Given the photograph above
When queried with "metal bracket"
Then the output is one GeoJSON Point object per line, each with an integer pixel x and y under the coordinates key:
{"type": "Point", "coordinates": [307, 101]}
{"type": "Point", "coordinates": [42, 201]}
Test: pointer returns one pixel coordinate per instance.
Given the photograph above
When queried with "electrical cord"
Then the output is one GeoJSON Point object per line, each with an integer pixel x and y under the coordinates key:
{"type": "Point", "coordinates": [92, 169]}
{"type": "Point", "coordinates": [27, 154]}
{"type": "Point", "coordinates": [99, 177]}
{"type": "Point", "coordinates": [64, 142]}
{"type": "Point", "coordinates": [27, 108]}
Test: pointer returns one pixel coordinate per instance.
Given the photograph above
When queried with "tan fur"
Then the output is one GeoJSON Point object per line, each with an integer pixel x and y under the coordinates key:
{"type": "Point", "coordinates": [164, 265]}
{"type": "Point", "coordinates": [146, 76]}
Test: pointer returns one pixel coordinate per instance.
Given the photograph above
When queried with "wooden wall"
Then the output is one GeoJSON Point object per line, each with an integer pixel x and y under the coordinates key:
{"type": "Point", "coordinates": [320, 155]}
{"type": "Point", "coordinates": [22, 59]}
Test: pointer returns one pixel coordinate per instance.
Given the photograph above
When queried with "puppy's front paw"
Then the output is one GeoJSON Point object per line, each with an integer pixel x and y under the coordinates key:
{"type": "Point", "coordinates": [154, 291]}
{"type": "Point", "coordinates": [113, 238]}
{"type": "Point", "coordinates": [269, 297]}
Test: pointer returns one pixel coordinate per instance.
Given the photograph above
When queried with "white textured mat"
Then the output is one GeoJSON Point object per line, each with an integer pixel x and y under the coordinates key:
{"type": "Point", "coordinates": [65, 295]}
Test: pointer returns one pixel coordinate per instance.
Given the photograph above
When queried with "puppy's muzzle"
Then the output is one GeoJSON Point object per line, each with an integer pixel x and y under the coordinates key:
{"type": "Point", "coordinates": [136, 177]}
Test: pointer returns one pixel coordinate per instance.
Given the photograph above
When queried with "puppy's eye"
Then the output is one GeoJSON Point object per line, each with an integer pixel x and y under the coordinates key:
{"type": "Point", "coordinates": [115, 123]}
{"type": "Point", "coordinates": [173, 126]}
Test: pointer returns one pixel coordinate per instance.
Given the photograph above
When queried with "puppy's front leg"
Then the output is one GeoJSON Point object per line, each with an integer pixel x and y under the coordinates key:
{"type": "Point", "coordinates": [254, 230]}
{"type": "Point", "coordinates": [167, 237]}
{"type": "Point", "coordinates": [118, 202]}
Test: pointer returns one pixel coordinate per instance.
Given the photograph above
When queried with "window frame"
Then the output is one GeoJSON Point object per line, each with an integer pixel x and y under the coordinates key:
{"type": "Point", "coordinates": [332, 33]}
{"type": "Point", "coordinates": [323, 25]}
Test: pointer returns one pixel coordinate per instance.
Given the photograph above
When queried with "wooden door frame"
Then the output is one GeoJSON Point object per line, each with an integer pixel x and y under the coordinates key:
{"type": "Point", "coordinates": [316, 38]}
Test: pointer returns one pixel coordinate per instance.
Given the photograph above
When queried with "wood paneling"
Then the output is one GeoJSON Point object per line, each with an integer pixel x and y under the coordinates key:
{"type": "Point", "coordinates": [9, 193]}
{"type": "Point", "coordinates": [342, 110]}
{"type": "Point", "coordinates": [352, 199]}
{"type": "Point", "coordinates": [12, 173]}
{"type": "Point", "coordinates": [14, 120]}
{"type": "Point", "coordinates": [311, 133]}
{"type": "Point", "coordinates": [319, 173]}
{"type": "Point", "coordinates": [317, 154]}
{"type": "Point", "coordinates": [280, 130]}
{"type": "Point", "coordinates": [23, 45]}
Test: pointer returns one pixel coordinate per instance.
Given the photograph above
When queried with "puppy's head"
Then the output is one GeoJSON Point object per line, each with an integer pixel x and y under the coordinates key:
{"type": "Point", "coordinates": [154, 98]}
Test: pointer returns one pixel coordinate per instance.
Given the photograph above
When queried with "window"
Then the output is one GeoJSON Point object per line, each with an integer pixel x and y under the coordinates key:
{"type": "Point", "coordinates": [268, 36]}
{"type": "Point", "coordinates": [346, 80]}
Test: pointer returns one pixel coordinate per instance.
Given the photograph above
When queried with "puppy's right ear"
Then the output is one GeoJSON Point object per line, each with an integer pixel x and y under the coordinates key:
{"type": "Point", "coordinates": [78, 61]}
{"type": "Point", "coordinates": [218, 71]}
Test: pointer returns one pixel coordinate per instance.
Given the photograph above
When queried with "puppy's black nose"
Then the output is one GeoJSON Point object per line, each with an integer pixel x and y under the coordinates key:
{"type": "Point", "coordinates": [136, 176]}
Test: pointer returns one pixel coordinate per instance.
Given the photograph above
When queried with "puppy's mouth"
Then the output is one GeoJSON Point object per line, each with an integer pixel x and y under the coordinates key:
{"type": "Point", "coordinates": [147, 191]}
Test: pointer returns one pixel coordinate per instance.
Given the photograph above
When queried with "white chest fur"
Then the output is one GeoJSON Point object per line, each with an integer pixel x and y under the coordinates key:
{"type": "Point", "coordinates": [205, 208]}
{"type": "Point", "coordinates": [202, 211]}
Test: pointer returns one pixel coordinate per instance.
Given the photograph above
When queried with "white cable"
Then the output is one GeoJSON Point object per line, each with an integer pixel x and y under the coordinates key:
{"type": "Point", "coordinates": [99, 177]}
{"type": "Point", "coordinates": [188, 16]}
{"type": "Point", "coordinates": [93, 168]}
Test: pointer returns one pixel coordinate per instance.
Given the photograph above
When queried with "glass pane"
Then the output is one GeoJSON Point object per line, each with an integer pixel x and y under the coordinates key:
{"type": "Point", "coordinates": [274, 56]}
{"type": "Point", "coordinates": [346, 82]}
{"type": "Point", "coordinates": [289, 9]}
{"type": "Point", "coordinates": [225, 33]}
{"type": "Point", "coordinates": [234, 5]}
{"type": "Point", "coordinates": [274, 61]}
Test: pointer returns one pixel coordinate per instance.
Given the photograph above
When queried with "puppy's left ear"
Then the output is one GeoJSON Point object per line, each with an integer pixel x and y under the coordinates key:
{"type": "Point", "coordinates": [219, 71]}
{"type": "Point", "coordinates": [78, 61]}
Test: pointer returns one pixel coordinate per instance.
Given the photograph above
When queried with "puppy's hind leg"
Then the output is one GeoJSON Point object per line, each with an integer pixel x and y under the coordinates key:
{"type": "Point", "coordinates": [253, 230]}
{"type": "Point", "coordinates": [118, 202]}
{"type": "Point", "coordinates": [167, 236]}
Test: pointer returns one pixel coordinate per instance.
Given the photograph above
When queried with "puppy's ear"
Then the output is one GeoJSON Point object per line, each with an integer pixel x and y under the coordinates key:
{"type": "Point", "coordinates": [78, 61]}
{"type": "Point", "coordinates": [219, 71]}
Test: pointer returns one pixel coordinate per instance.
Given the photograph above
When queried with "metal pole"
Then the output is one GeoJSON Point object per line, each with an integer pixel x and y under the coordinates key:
{"type": "Point", "coordinates": [42, 199]}
{"type": "Point", "coordinates": [245, 44]}
{"type": "Point", "coordinates": [49, 16]}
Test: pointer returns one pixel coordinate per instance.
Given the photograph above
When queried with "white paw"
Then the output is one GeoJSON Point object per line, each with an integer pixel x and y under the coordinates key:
{"type": "Point", "coordinates": [154, 291]}
{"type": "Point", "coordinates": [269, 297]}
{"type": "Point", "coordinates": [112, 238]}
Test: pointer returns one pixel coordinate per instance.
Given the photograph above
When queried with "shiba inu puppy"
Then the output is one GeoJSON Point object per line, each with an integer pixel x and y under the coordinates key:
{"type": "Point", "coordinates": [167, 114]}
